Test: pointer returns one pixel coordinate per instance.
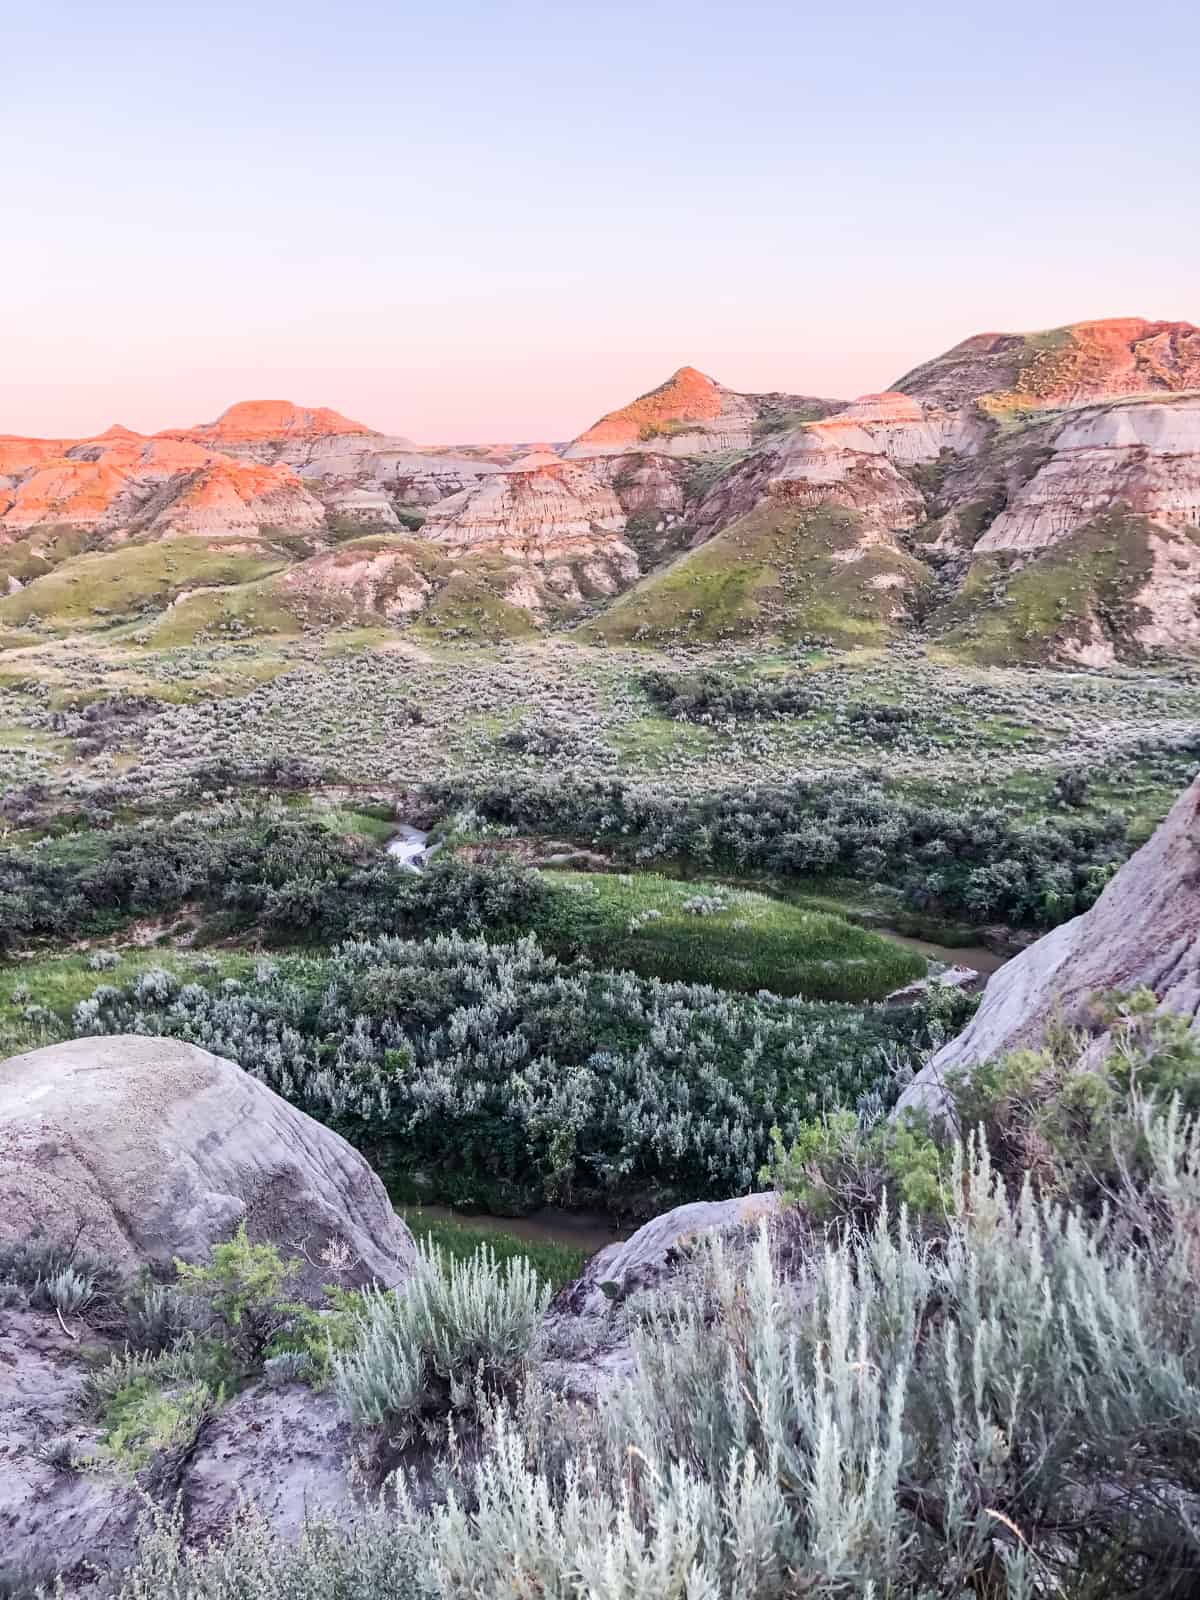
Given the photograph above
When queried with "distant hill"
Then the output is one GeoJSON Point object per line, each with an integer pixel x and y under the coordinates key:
{"type": "Point", "coordinates": [1020, 497]}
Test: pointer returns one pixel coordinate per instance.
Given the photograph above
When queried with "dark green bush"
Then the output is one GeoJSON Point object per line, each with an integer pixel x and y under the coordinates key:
{"type": "Point", "coordinates": [979, 863]}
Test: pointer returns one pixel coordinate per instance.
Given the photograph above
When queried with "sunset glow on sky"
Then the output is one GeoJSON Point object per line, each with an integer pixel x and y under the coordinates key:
{"type": "Point", "coordinates": [474, 221]}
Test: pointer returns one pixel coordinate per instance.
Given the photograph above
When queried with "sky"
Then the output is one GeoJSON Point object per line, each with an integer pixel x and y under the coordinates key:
{"type": "Point", "coordinates": [496, 222]}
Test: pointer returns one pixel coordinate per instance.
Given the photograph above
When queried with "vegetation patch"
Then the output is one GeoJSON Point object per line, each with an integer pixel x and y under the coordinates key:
{"type": "Point", "coordinates": [1081, 593]}
{"type": "Point", "coordinates": [779, 572]}
{"type": "Point", "coordinates": [700, 932]}
{"type": "Point", "coordinates": [494, 1077]}
{"type": "Point", "coordinates": [110, 586]}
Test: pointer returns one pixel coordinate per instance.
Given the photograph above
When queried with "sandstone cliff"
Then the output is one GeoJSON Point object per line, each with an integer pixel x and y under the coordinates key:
{"type": "Point", "coordinates": [1143, 932]}
{"type": "Point", "coordinates": [528, 505]}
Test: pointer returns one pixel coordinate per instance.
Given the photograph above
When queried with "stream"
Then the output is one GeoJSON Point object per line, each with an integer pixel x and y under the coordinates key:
{"type": "Point", "coordinates": [581, 1229]}
{"type": "Point", "coordinates": [975, 956]}
{"type": "Point", "coordinates": [408, 847]}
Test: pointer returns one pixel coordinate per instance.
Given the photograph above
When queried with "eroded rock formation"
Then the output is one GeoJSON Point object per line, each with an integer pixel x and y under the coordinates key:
{"type": "Point", "coordinates": [690, 414]}
{"type": "Point", "coordinates": [1033, 496]}
{"type": "Point", "coordinates": [1143, 932]}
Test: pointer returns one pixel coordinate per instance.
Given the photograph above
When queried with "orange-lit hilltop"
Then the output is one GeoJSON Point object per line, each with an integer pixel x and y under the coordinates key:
{"type": "Point", "coordinates": [1021, 495]}
{"type": "Point", "coordinates": [691, 414]}
{"type": "Point", "coordinates": [121, 481]}
{"type": "Point", "coordinates": [267, 428]}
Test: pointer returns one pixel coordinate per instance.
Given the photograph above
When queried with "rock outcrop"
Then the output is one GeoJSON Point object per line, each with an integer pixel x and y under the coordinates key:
{"type": "Point", "coordinates": [146, 1149]}
{"type": "Point", "coordinates": [857, 459]}
{"type": "Point", "coordinates": [527, 507]}
{"type": "Point", "coordinates": [690, 414]}
{"type": "Point", "coordinates": [123, 483]}
{"type": "Point", "coordinates": [1068, 366]}
{"type": "Point", "coordinates": [1141, 454]}
{"type": "Point", "coordinates": [75, 1523]}
{"type": "Point", "coordinates": [586, 1336]}
{"type": "Point", "coordinates": [1143, 932]}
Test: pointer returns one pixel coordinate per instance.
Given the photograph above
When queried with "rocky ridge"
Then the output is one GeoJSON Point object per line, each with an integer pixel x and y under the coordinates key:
{"type": "Point", "coordinates": [691, 414]}
{"type": "Point", "coordinates": [1030, 497]}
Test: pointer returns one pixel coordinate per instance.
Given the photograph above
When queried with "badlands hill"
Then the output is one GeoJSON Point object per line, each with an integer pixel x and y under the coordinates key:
{"type": "Point", "coordinates": [692, 414]}
{"type": "Point", "coordinates": [1021, 497]}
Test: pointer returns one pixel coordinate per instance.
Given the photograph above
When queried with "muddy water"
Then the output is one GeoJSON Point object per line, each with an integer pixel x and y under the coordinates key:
{"type": "Point", "coordinates": [974, 956]}
{"type": "Point", "coordinates": [581, 1229]}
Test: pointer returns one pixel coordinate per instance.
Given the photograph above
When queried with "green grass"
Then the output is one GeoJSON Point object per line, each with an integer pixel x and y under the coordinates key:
{"type": "Point", "coordinates": [237, 611]}
{"type": "Point", "coordinates": [52, 986]}
{"type": "Point", "coordinates": [779, 572]}
{"type": "Point", "coordinates": [360, 824]}
{"type": "Point", "coordinates": [111, 586]}
{"type": "Point", "coordinates": [558, 1263]}
{"type": "Point", "coordinates": [751, 942]}
{"type": "Point", "coordinates": [1082, 589]}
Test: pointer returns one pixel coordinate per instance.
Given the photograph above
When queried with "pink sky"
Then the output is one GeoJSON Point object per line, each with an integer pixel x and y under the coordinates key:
{"type": "Point", "coordinates": [477, 222]}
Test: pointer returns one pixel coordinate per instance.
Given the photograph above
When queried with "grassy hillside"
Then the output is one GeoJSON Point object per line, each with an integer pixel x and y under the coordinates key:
{"type": "Point", "coordinates": [38, 553]}
{"type": "Point", "coordinates": [781, 572]}
{"type": "Point", "coordinates": [1085, 589]}
{"type": "Point", "coordinates": [96, 590]}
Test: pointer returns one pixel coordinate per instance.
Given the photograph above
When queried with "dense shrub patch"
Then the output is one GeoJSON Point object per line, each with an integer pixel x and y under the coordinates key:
{"type": "Point", "coordinates": [286, 874]}
{"type": "Point", "coordinates": [710, 695]}
{"type": "Point", "coordinates": [979, 863]}
{"type": "Point", "coordinates": [492, 1075]}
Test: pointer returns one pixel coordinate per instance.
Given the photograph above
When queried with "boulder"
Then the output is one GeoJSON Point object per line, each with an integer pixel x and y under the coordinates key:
{"type": "Point", "coordinates": [586, 1336]}
{"type": "Point", "coordinates": [1143, 932]}
{"type": "Point", "coordinates": [965, 979]}
{"type": "Point", "coordinates": [145, 1149]}
{"type": "Point", "coordinates": [288, 1452]}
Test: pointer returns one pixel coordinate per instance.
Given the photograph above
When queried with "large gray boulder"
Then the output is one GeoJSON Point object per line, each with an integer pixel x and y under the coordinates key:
{"type": "Point", "coordinates": [145, 1149]}
{"type": "Point", "coordinates": [1143, 931]}
{"type": "Point", "coordinates": [586, 1336]}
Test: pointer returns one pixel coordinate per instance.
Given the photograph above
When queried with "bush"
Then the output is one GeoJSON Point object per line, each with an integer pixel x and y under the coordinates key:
{"type": "Point", "coordinates": [1005, 1407]}
{"type": "Point", "coordinates": [242, 1287]}
{"type": "Point", "coordinates": [978, 862]}
{"type": "Point", "coordinates": [710, 696]}
{"type": "Point", "coordinates": [460, 1331]}
{"type": "Point", "coordinates": [1070, 1118]}
{"type": "Point", "coordinates": [508, 1079]}
{"type": "Point", "coordinates": [49, 1274]}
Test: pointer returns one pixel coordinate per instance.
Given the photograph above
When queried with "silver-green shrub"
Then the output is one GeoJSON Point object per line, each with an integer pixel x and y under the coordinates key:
{"type": "Point", "coordinates": [459, 1330]}
{"type": "Point", "coordinates": [1005, 1405]}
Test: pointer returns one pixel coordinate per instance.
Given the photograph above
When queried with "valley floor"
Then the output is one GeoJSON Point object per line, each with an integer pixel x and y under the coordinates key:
{"type": "Point", "coordinates": [377, 713]}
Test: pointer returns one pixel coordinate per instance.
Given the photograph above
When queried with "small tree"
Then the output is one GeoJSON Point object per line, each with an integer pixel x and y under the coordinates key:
{"type": "Point", "coordinates": [242, 1285]}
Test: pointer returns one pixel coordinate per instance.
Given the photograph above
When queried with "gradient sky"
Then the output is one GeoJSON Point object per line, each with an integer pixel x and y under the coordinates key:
{"type": "Point", "coordinates": [472, 221]}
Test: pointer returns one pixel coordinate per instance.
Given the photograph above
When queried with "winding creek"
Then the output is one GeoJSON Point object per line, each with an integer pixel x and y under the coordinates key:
{"type": "Point", "coordinates": [409, 848]}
